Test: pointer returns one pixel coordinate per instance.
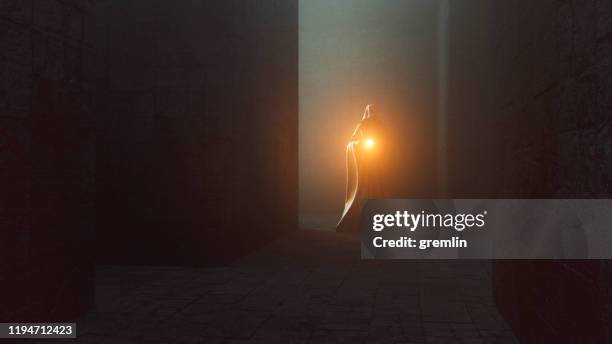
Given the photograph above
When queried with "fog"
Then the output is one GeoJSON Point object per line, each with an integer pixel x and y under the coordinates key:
{"type": "Point", "coordinates": [355, 52]}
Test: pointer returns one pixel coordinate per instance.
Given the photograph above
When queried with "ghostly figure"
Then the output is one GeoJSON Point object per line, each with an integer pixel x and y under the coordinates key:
{"type": "Point", "coordinates": [364, 168]}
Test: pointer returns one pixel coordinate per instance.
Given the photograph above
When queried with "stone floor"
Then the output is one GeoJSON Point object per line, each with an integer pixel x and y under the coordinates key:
{"type": "Point", "coordinates": [309, 287]}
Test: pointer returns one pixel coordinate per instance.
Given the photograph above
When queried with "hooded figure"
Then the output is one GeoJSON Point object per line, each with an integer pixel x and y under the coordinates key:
{"type": "Point", "coordinates": [364, 168]}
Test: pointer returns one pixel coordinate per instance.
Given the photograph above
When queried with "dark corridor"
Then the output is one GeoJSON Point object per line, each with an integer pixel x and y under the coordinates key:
{"type": "Point", "coordinates": [149, 174]}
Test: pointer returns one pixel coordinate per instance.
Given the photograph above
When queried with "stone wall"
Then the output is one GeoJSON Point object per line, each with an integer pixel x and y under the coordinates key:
{"type": "Point", "coordinates": [197, 150]}
{"type": "Point", "coordinates": [47, 66]}
{"type": "Point", "coordinates": [193, 107]}
{"type": "Point", "coordinates": [529, 117]}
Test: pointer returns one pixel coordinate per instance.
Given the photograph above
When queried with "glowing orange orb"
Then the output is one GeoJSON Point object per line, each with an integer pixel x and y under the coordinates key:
{"type": "Point", "coordinates": [369, 143]}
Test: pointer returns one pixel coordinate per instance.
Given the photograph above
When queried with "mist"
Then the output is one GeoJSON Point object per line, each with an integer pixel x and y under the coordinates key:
{"type": "Point", "coordinates": [355, 52]}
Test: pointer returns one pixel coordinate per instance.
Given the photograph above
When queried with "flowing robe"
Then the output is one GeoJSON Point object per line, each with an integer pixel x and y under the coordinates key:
{"type": "Point", "coordinates": [364, 171]}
